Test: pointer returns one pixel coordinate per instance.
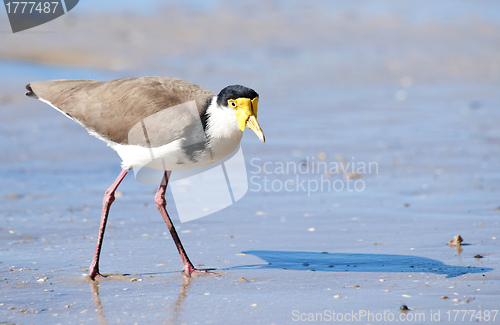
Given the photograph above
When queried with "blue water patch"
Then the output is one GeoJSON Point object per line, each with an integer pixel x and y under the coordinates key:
{"type": "Point", "coordinates": [32, 71]}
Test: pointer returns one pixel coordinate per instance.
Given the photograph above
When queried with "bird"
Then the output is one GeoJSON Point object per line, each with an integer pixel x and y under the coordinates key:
{"type": "Point", "coordinates": [162, 123]}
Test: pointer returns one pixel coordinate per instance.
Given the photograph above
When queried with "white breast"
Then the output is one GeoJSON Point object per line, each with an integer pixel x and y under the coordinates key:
{"type": "Point", "coordinates": [223, 137]}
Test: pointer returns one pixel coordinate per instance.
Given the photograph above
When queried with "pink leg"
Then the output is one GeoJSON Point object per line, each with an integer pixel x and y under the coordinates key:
{"type": "Point", "coordinates": [161, 204]}
{"type": "Point", "coordinates": [109, 197]}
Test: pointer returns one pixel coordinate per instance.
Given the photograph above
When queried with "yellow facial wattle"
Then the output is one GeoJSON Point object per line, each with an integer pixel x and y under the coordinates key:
{"type": "Point", "coordinates": [246, 114]}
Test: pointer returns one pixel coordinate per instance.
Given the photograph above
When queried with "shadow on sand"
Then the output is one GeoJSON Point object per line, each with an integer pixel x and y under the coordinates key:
{"type": "Point", "coordinates": [344, 262]}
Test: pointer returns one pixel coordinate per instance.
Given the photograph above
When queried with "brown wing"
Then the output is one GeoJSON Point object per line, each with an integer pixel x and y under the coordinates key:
{"type": "Point", "coordinates": [114, 108]}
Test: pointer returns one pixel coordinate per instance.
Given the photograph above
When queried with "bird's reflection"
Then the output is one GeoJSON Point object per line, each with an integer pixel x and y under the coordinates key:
{"type": "Point", "coordinates": [94, 288]}
{"type": "Point", "coordinates": [175, 309]}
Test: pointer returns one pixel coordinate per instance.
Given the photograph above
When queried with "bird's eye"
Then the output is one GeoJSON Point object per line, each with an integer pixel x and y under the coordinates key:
{"type": "Point", "coordinates": [233, 104]}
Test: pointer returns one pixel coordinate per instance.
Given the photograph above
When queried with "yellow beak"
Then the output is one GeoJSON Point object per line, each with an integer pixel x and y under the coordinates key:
{"type": "Point", "coordinates": [255, 127]}
{"type": "Point", "coordinates": [246, 113]}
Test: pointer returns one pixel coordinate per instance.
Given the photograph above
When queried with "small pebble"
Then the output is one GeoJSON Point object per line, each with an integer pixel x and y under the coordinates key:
{"type": "Point", "coordinates": [243, 280]}
{"type": "Point", "coordinates": [404, 308]}
{"type": "Point", "coordinates": [457, 241]}
{"type": "Point", "coordinates": [253, 305]}
{"type": "Point", "coordinates": [337, 296]}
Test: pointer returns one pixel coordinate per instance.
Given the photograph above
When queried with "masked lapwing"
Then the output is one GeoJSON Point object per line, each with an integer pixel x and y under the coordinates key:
{"type": "Point", "coordinates": [162, 123]}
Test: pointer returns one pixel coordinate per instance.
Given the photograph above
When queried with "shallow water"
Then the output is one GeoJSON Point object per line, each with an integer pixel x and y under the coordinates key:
{"type": "Point", "coordinates": [306, 240]}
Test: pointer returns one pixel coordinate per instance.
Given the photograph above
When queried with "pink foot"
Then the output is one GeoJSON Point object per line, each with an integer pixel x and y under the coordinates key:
{"type": "Point", "coordinates": [188, 270]}
{"type": "Point", "coordinates": [94, 273]}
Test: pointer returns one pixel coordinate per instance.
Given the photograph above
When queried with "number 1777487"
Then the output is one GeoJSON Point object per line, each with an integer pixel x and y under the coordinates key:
{"type": "Point", "coordinates": [30, 7]}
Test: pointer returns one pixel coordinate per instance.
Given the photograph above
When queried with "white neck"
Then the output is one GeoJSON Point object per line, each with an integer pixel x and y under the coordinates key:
{"type": "Point", "coordinates": [222, 130]}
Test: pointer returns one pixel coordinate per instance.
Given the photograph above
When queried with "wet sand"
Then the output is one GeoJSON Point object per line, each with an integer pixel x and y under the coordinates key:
{"type": "Point", "coordinates": [387, 123]}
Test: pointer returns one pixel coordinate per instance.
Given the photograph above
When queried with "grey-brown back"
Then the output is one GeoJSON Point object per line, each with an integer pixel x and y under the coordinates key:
{"type": "Point", "coordinates": [112, 109]}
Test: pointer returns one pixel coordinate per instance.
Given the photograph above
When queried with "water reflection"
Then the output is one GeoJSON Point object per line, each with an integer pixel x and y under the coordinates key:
{"type": "Point", "coordinates": [174, 310]}
{"type": "Point", "coordinates": [177, 307]}
{"type": "Point", "coordinates": [94, 288]}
